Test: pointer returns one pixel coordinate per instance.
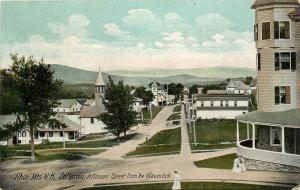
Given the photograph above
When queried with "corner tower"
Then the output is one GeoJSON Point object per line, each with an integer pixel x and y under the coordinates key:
{"type": "Point", "coordinates": [277, 37]}
{"type": "Point", "coordinates": [99, 89]}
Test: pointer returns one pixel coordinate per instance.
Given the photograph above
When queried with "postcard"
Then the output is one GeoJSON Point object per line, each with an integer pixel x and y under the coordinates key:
{"type": "Point", "coordinates": [149, 94]}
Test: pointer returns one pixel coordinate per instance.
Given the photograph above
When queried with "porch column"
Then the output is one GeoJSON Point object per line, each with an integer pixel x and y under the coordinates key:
{"type": "Point", "coordinates": [237, 133]}
{"type": "Point", "coordinates": [253, 135]}
{"type": "Point", "coordinates": [248, 132]}
{"type": "Point", "coordinates": [282, 140]}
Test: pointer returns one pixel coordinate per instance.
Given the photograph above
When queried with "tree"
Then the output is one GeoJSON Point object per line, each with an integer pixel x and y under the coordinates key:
{"type": "Point", "coordinates": [247, 80]}
{"type": "Point", "coordinates": [139, 91]}
{"type": "Point", "coordinates": [118, 102]}
{"type": "Point", "coordinates": [10, 101]}
{"type": "Point", "coordinates": [147, 97]}
{"type": "Point", "coordinates": [38, 90]}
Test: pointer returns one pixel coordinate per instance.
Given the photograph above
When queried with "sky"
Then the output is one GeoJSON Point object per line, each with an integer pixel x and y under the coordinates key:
{"type": "Point", "coordinates": [129, 34]}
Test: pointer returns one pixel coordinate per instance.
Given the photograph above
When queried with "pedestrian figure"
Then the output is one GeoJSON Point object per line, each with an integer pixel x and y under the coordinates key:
{"type": "Point", "coordinates": [176, 184]}
{"type": "Point", "coordinates": [242, 165]}
{"type": "Point", "coordinates": [236, 166]}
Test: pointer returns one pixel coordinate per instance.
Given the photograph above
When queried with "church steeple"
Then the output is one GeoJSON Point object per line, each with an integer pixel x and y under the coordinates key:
{"type": "Point", "coordinates": [99, 88]}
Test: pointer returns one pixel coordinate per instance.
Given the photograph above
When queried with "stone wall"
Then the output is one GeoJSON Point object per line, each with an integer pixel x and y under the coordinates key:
{"type": "Point", "coordinates": [268, 166]}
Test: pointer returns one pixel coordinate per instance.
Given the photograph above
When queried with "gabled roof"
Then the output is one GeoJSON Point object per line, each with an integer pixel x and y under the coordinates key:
{"type": "Point", "coordinates": [154, 84]}
{"type": "Point", "coordinates": [100, 80]}
{"type": "Point", "coordinates": [290, 117]}
{"type": "Point", "coordinates": [66, 103]}
{"type": "Point", "coordinates": [71, 125]}
{"type": "Point", "coordinates": [81, 100]}
{"type": "Point", "coordinates": [238, 85]}
{"type": "Point", "coordinates": [89, 102]}
{"type": "Point", "coordinates": [258, 3]}
{"type": "Point", "coordinates": [91, 111]}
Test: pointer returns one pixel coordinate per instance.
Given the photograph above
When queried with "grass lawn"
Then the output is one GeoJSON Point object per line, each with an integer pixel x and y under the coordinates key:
{"type": "Point", "coordinates": [174, 116]}
{"type": "Point", "coordinates": [93, 136]}
{"type": "Point", "coordinates": [155, 111]}
{"type": "Point", "coordinates": [212, 134]}
{"type": "Point", "coordinates": [77, 154]}
{"type": "Point", "coordinates": [192, 186]}
{"type": "Point", "coordinates": [14, 150]}
{"type": "Point", "coordinates": [221, 162]}
{"type": "Point", "coordinates": [163, 142]}
{"type": "Point", "coordinates": [177, 108]}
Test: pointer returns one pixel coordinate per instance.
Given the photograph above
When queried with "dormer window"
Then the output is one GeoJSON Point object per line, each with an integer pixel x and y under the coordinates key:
{"type": "Point", "coordinates": [282, 30]}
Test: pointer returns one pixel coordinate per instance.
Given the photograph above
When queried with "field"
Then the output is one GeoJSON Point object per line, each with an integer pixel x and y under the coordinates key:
{"type": "Point", "coordinates": [215, 134]}
{"type": "Point", "coordinates": [221, 162]}
{"type": "Point", "coordinates": [164, 142]}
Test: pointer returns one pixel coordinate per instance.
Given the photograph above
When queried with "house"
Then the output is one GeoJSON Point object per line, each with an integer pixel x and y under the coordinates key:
{"type": "Point", "coordinates": [237, 87]}
{"type": "Point", "coordinates": [220, 106]}
{"type": "Point", "coordinates": [4, 120]}
{"type": "Point", "coordinates": [160, 95]}
{"type": "Point", "coordinates": [68, 106]}
{"type": "Point", "coordinates": [273, 140]}
{"type": "Point", "coordinates": [138, 104]}
{"type": "Point", "coordinates": [71, 132]}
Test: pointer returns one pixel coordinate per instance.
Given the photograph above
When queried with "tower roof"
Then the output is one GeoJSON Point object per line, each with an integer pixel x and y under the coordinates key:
{"type": "Point", "coordinates": [100, 80]}
{"type": "Point", "coordinates": [258, 3]}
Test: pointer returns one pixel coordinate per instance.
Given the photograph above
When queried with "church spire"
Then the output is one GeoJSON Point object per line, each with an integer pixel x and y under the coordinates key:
{"type": "Point", "coordinates": [99, 81]}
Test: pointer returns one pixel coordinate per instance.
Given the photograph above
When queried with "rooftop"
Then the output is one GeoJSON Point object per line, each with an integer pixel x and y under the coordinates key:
{"type": "Point", "coordinates": [290, 117]}
{"type": "Point", "coordinates": [66, 103]}
{"type": "Point", "coordinates": [91, 111]}
{"type": "Point", "coordinates": [258, 3]}
{"type": "Point", "coordinates": [238, 85]}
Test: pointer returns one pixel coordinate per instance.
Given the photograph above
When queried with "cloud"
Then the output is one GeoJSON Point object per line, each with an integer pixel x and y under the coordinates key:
{"type": "Point", "coordinates": [76, 26]}
{"type": "Point", "coordinates": [113, 29]}
{"type": "Point", "coordinates": [213, 22]}
{"type": "Point", "coordinates": [162, 42]}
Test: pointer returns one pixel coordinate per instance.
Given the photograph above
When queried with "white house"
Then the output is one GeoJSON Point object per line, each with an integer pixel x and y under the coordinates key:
{"type": "Point", "coordinates": [138, 104]}
{"type": "Point", "coordinates": [67, 106]}
{"type": "Point", "coordinates": [161, 96]}
{"type": "Point", "coordinates": [71, 132]}
{"type": "Point", "coordinates": [223, 106]}
{"type": "Point", "coordinates": [4, 120]}
{"type": "Point", "coordinates": [237, 87]}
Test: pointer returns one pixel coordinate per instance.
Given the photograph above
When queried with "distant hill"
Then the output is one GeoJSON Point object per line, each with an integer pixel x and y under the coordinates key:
{"type": "Point", "coordinates": [187, 77]}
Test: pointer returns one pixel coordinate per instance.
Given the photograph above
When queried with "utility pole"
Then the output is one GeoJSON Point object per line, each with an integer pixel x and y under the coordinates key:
{"type": "Point", "coordinates": [194, 125]}
{"type": "Point", "coordinates": [151, 112]}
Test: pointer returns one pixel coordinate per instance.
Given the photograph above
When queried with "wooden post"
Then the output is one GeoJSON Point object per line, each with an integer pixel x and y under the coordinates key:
{"type": "Point", "coordinates": [237, 133]}
{"type": "Point", "coordinates": [282, 140]}
{"type": "Point", "coordinates": [253, 135]}
{"type": "Point", "coordinates": [248, 132]}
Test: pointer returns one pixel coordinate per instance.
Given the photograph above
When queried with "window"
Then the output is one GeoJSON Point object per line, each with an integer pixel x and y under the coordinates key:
{"type": "Point", "coordinates": [258, 61]}
{"type": "Point", "coordinates": [275, 136]}
{"type": "Point", "coordinates": [255, 32]}
{"type": "Point", "coordinates": [211, 103]}
{"type": "Point", "coordinates": [235, 103]}
{"type": "Point", "coordinates": [266, 26]}
{"type": "Point", "coordinates": [50, 133]}
{"type": "Point", "coordinates": [19, 134]}
{"type": "Point", "coordinates": [227, 103]}
{"type": "Point", "coordinates": [221, 104]}
{"type": "Point", "coordinates": [282, 30]}
{"type": "Point", "coordinates": [282, 95]}
{"type": "Point", "coordinates": [24, 134]}
{"type": "Point", "coordinates": [285, 61]}
{"type": "Point", "coordinates": [92, 120]}
{"type": "Point", "coordinates": [61, 134]}
{"type": "Point", "coordinates": [202, 103]}
{"type": "Point", "coordinates": [42, 134]}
